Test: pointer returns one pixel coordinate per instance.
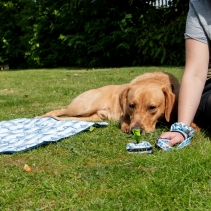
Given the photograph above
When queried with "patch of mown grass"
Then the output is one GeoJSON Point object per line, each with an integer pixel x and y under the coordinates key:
{"type": "Point", "coordinates": [92, 170]}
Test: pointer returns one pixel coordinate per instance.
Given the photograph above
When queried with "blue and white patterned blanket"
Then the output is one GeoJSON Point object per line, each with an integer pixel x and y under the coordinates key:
{"type": "Point", "coordinates": [20, 135]}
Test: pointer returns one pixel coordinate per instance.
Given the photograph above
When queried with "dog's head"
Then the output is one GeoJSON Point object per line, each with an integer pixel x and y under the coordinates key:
{"type": "Point", "coordinates": [143, 104]}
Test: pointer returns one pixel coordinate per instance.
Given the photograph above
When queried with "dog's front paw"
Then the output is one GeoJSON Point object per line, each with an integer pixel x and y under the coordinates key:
{"type": "Point", "coordinates": [125, 128]}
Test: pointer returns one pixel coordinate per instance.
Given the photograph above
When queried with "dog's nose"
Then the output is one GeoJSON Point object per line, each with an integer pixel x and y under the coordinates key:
{"type": "Point", "coordinates": [137, 128]}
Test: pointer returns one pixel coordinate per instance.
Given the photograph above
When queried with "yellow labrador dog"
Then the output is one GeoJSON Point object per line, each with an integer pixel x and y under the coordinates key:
{"type": "Point", "coordinates": [149, 98]}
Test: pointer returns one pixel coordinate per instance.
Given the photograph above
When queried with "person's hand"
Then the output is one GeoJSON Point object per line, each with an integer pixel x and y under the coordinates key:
{"type": "Point", "coordinates": [174, 138]}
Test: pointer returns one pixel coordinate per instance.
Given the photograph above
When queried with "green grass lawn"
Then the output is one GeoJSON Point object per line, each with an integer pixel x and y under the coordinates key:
{"type": "Point", "coordinates": [92, 170]}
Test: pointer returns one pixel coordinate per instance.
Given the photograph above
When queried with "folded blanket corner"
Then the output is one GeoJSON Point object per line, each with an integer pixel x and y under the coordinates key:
{"type": "Point", "coordinates": [23, 134]}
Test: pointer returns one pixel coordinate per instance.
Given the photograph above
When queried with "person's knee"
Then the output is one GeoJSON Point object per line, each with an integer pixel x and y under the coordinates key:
{"type": "Point", "coordinates": [208, 107]}
{"type": "Point", "coordinates": [203, 114]}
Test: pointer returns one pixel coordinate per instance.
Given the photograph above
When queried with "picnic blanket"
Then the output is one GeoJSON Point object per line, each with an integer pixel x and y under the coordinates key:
{"type": "Point", "coordinates": [23, 134]}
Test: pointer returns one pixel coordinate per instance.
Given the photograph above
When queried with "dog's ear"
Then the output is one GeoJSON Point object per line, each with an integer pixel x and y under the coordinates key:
{"type": "Point", "coordinates": [123, 100]}
{"type": "Point", "coordinates": [170, 102]}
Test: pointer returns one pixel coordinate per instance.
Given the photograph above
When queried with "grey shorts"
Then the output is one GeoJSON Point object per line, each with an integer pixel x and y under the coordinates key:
{"type": "Point", "coordinates": [198, 25]}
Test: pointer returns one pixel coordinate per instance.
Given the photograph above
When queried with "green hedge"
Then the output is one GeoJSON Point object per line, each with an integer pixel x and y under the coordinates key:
{"type": "Point", "coordinates": [100, 33]}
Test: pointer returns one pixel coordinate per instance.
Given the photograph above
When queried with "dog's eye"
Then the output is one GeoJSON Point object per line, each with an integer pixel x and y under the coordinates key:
{"type": "Point", "coordinates": [132, 105]}
{"type": "Point", "coordinates": [151, 108]}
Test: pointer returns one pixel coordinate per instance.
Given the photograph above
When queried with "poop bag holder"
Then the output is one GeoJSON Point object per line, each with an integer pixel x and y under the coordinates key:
{"type": "Point", "coordinates": [139, 147]}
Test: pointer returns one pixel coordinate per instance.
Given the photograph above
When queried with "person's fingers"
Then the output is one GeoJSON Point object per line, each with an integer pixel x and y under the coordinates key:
{"type": "Point", "coordinates": [174, 137]}
{"type": "Point", "coordinates": [174, 141]}
{"type": "Point", "coordinates": [167, 135]}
